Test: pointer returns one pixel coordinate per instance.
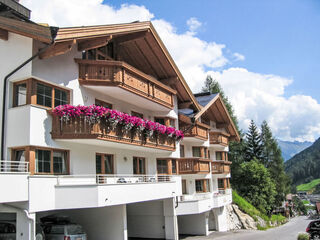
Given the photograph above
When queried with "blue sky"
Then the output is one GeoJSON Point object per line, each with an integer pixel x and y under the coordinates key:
{"type": "Point", "coordinates": [278, 37]}
{"type": "Point", "coordinates": [264, 53]}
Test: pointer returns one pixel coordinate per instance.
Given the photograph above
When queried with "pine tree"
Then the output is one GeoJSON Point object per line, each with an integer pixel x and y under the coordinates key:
{"type": "Point", "coordinates": [253, 143]}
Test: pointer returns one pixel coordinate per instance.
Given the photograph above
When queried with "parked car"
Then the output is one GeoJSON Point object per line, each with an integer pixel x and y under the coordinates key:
{"type": "Point", "coordinates": [64, 231]}
{"type": "Point", "coordinates": [7, 231]}
{"type": "Point", "coordinates": [314, 230]}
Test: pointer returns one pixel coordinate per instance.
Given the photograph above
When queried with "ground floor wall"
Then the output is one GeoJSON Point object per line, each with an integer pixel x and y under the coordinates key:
{"type": "Point", "coordinates": [195, 224]}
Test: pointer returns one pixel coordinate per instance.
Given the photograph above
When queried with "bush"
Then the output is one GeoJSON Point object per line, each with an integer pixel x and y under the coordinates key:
{"type": "Point", "coordinates": [277, 218]}
{"type": "Point", "coordinates": [303, 236]}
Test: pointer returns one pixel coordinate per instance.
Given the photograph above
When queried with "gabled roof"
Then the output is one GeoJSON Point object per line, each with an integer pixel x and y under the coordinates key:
{"type": "Point", "coordinates": [32, 30]}
{"type": "Point", "coordinates": [141, 47]}
{"type": "Point", "coordinates": [213, 107]}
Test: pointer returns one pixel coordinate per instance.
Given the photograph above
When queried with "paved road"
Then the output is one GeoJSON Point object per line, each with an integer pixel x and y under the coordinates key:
{"type": "Point", "coordinates": [288, 231]}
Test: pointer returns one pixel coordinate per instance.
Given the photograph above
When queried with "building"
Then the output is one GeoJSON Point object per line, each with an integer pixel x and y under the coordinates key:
{"type": "Point", "coordinates": [120, 167]}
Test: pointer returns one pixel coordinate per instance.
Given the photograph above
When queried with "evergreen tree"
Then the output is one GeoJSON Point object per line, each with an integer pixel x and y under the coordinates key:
{"type": "Point", "coordinates": [253, 143]}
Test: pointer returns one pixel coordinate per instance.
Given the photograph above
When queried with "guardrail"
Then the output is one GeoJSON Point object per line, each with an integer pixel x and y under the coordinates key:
{"type": "Point", "coordinates": [111, 179]}
{"type": "Point", "coordinates": [7, 166]}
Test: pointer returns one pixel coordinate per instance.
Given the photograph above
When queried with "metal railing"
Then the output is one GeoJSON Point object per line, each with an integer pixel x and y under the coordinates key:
{"type": "Point", "coordinates": [101, 179]}
{"type": "Point", "coordinates": [13, 166]}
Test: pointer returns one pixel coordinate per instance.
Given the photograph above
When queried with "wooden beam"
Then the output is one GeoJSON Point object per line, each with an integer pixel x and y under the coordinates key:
{"type": "Point", "coordinates": [3, 34]}
{"type": "Point", "coordinates": [131, 37]}
{"type": "Point", "coordinates": [57, 49]}
{"type": "Point", "coordinates": [184, 105]}
{"type": "Point", "coordinates": [93, 43]}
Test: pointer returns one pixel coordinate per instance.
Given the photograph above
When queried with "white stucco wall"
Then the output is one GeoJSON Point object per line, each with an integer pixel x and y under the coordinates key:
{"type": "Point", "coordinates": [195, 224]}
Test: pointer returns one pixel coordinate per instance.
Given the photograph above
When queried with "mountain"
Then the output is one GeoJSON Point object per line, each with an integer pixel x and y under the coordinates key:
{"type": "Point", "coordinates": [289, 149]}
{"type": "Point", "coordinates": [305, 166]}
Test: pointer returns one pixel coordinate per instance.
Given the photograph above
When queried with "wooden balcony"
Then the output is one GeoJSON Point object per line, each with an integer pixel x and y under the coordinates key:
{"type": "Point", "coordinates": [78, 128]}
{"type": "Point", "coordinates": [219, 138]}
{"type": "Point", "coordinates": [123, 75]}
{"type": "Point", "coordinates": [194, 166]}
{"type": "Point", "coordinates": [220, 167]}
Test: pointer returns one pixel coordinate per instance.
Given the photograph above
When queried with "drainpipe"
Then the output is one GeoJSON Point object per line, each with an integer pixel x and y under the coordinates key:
{"type": "Point", "coordinates": [54, 31]}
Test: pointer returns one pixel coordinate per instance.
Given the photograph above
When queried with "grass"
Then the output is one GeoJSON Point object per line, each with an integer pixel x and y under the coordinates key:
{"type": "Point", "coordinates": [308, 186]}
{"type": "Point", "coordinates": [249, 209]}
{"type": "Point", "coordinates": [305, 202]}
{"type": "Point", "coordinates": [303, 236]}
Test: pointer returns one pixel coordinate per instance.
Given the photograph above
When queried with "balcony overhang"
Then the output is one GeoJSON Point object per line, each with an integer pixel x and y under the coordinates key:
{"type": "Point", "coordinates": [219, 138]}
{"type": "Point", "coordinates": [196, 131]}
{"type": "Point", "coordinates": [125, 82]}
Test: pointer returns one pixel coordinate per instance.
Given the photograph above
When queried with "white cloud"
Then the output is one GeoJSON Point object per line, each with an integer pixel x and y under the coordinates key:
{"type": "Point", "coordinates": [261, 97]}
{"type": "Point", "coordinates": [254, 95]}
{"type": "Point", "coordinates": [238, 57]}
{"type": "Point", "coordinates": [193, 24]}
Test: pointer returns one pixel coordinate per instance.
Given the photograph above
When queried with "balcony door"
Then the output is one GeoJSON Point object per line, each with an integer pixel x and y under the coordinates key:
{"type": "Point", "coordinates": [139, 165]}
{"type": "Point", "coordinates": [104, 164]}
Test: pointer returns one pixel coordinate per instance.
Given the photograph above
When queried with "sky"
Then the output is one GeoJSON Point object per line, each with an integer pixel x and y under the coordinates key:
{"type": "Point", "coordinates": [265, 54]}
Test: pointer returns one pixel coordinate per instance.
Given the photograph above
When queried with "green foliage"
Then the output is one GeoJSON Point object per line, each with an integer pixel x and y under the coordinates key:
{"type": "Point", "coordinates": [253, 143]}
{"type": "Point", "coordinates": [305, 166]}
{"type": "Point", "coordinates": [303, 236]}
{"type": "Point", "coordinates": [257, 187]}
{"type": "Point", "coordinates": [299, 206]}
{"type": "Point", "coordinates": [277, 218]}
{"type": "Point", "coordinates": [310, 186]}
{"type": "Point", "coordinates": [305, 202]}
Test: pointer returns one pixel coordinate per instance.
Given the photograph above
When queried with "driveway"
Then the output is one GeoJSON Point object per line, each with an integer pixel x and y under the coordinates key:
{"type": "Point", "coordinates": [288, 231]}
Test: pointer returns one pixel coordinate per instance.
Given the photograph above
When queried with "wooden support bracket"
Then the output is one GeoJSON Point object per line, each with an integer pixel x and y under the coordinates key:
{"type": "Point", "coordinates": [57, 49]}
{"type": "Point", "coordinates": [3, 34]}
{"type": "Point", "coordinates": [93, 43]}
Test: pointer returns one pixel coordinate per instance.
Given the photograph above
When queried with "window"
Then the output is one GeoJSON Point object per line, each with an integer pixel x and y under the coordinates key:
{"type": "Point", "coordinates": [104, 164]}
{"type": "Point", "coordinates": [60, 97]}
{"type": "Point", "coordinates": [222, 156]}
{"type": "Point", "coordinates": [51, 161]}
{"type": "Point", "coordinates": [44, 95]}
{"type": "Point", "coordinates": [136, 114]}
{"type": "Point", "coordinates": [139, 165]}
{"type": "Point", "coordinates": [196, 151]}
{"type": "Point", "coordinates": [218, 155]}
{"type": "Point", "coordinates": [160, 120]}
{"type": "Point", "coordinates": [205, 121]}
{"type": "Point", "coordinates": [182, 151]}
{"type": "Point", "coordinates": [184, 186]}
{"type": "Point", "coordinates": [40, 93]}
{"type": "Point", "coordinates": [169, 122]}
{"type": "Point", "coordinates": [174, 166]}
{"type": "Point", "coordinates": [162, 166]}
{"type": "Point", "coordinates": [202, 185]}
{"type": "Point", "coordinates": [103, 104]}
{"type": "Point", "coordinates": [20, 94]}
{"type": "Point", "coordinates": [19, 156]}
{"type": "Point", "coordinates": [221, 183]}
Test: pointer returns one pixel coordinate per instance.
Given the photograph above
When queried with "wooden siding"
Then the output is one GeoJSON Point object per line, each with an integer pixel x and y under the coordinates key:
{"type": "Point", "coordinates": [219, 138]}
{"type": "Point", "coordinates": [197, 131]}
{"type": "Point", "coordinates": [120, 74]}
{"type": "Point", "coordinates": [78, 128]}
{"type": "Point", "coordinates": [194, 166]}
{"type": "Point", "coordinates": [220, 167]}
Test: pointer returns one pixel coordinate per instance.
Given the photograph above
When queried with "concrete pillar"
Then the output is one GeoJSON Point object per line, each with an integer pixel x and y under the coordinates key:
{"type": "Point", "coordinates": [26, 226]}
{"type": "Point", "coordinates": [221, 219]}
{"type": "Point", "coordinates": [170, 218]}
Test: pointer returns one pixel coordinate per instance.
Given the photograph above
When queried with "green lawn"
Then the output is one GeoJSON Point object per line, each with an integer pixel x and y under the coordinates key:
{"type": "Point", "coordinates": [308, 186]}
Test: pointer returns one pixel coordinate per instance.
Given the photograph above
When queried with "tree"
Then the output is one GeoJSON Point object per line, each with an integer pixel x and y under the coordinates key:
{"type": "Point", "coordinates": [253, 143]}
{"type": "Point", "coordinates": [272, 159]}
{"type": "Point", "coordinates": [257, 186]}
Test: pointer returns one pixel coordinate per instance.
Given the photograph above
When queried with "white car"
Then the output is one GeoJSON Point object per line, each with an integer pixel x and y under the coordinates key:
{"type": "Point", "coordinates": [64, 231]}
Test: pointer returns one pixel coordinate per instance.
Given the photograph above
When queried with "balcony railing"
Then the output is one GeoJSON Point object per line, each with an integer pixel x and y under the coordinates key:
{"type": "Point", "coordinates": [112, 179]}
{"type": "Point", "coordinates": [79, 128]}
{"type": "Point", "coordinates": [219, 138]}
{"type": "Point", "coordinates": [220, 167]}
{"type": "Point", "coordinates": [198, 131]}
{"type": "Point", "coordinates": [121, 74]}
{"type": "Point", "coordinates": [194, 166]}
{"type": "Point", "coordinates": [14, 167]}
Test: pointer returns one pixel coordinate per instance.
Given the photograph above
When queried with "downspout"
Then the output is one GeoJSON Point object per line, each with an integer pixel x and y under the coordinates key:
{"type": "Point", "coordinates": [54, 31]}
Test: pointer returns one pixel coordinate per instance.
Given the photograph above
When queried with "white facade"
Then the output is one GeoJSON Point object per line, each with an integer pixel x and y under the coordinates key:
{"type": "Point", "coordinates": [147, 205]}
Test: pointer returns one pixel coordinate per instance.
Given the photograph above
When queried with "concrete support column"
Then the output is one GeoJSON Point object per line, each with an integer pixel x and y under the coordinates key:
{"type": "Point", "coordinates": [170, 217]}
{"type": "Point", "coordinates": [26, 226]}
{"type": "Point", "coordinates": [221, 219]}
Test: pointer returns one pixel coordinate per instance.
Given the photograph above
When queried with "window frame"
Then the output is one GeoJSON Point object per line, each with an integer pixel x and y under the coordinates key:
{"type": "Point", "coordinates": [102, 103]}
{"type": "Point", "coordinates": [169, 166]}
{"type": "Point", "coordinates": [138, 166]}
{"type": "Point", "coordinates": [137, 114]}
{"type": "Point", "coordinates": [205, 184]}
{"type": "Point", "coordinates": [168, 121]}
{"type": "Point", "coordinates": [183, 150]}
{"type": "Point", "coordinates": [103, 164]}
{"type": "Point", "coordinates": [32, 98]}
{"type": "Point", "coordinates": [30, 157]}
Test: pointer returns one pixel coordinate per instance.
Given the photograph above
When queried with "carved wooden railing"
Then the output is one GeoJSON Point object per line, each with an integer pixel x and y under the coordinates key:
{"type": "Point", "coordinates": [121, 74]}
{"type": "Point", "coordinates": [194, 166]}
{"type": "Point", "coordinates": [79, 128]}
{"type": "Point", "coordinates": [197, 131]}
{"type": "Point", "coordinates": [220, 167]}
{"type": "Point", "coordinates": [219, 138]}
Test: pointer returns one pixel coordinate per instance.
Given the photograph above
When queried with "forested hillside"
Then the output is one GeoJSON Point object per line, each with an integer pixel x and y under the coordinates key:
{"type": "Point", "coordinates": [305, 166]}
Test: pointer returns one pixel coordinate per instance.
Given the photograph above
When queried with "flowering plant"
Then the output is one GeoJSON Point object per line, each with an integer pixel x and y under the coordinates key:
{"type": "Point", "coordinates": [94, 114]}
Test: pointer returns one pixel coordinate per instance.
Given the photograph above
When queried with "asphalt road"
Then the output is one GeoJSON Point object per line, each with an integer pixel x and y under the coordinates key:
{"type": "Point", "coordinates": [288, 231]}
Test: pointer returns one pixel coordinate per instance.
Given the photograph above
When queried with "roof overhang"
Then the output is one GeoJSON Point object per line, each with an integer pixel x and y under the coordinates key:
{"type": "Point", "coordinates": [216, 110]}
